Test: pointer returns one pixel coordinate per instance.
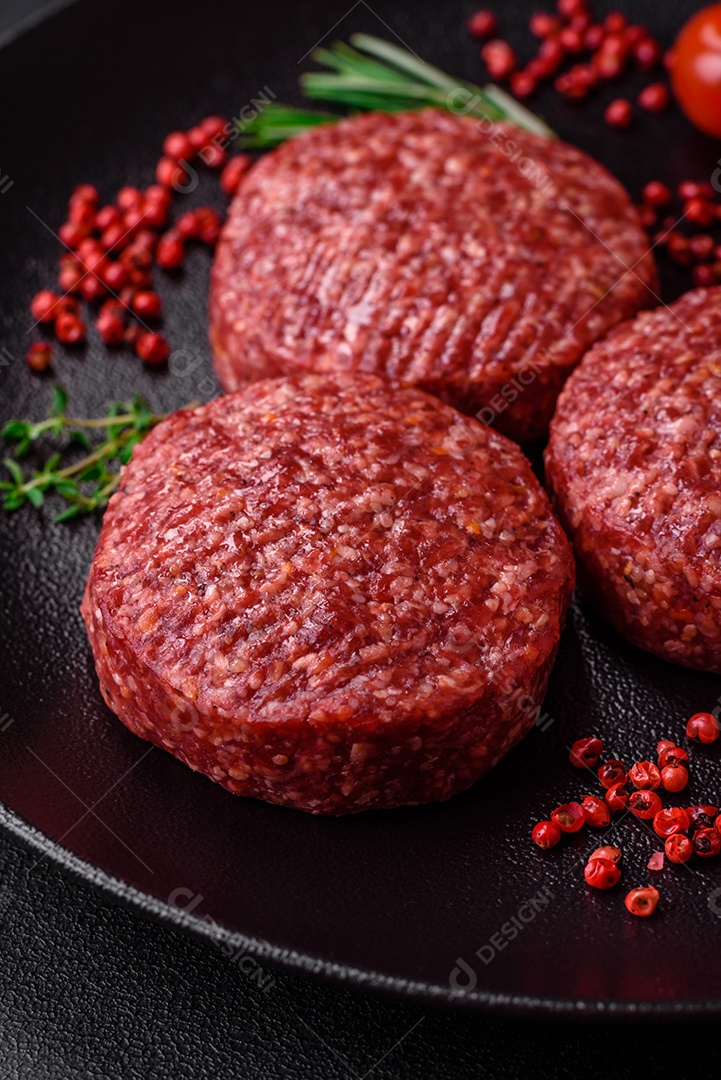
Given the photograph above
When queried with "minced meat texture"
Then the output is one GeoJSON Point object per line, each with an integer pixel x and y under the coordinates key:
{"type": "Point", "coordinates": [478, 265]}
{"type": "Point", "coordinates": [328, 593]}
{"type": "Point", "coordinates": [634, 464]}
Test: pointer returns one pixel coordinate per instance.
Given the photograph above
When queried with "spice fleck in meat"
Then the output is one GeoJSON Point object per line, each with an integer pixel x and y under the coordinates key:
{"type": "Point", "coordinates": [421, 248]}
{"type": "Point", "coordinates": [634, 464]}
{"type": "Point", "coordinates": [328, 593]}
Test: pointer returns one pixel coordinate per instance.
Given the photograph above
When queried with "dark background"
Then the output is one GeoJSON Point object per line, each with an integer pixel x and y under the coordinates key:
{"type": "Point", "coordinates": [88, 989]}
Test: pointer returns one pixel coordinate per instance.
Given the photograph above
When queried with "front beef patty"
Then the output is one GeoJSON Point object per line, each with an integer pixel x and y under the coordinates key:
{"type": "Point", "coordinates": [328, 593]}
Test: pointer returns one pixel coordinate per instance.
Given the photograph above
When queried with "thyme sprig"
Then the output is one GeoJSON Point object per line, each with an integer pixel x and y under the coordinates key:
{"type": "Point", "coordinates": [371, 73]}
{"type": "Point", "coordinates": [87, 483]}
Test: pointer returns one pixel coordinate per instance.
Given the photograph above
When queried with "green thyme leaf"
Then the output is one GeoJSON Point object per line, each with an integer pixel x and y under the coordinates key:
{"type": "Point", "coordinates": [85, 483]}
{"type": "Point", "coordinates": [60, 401]}
{"type": "Point", "coordinates": [14, 469]}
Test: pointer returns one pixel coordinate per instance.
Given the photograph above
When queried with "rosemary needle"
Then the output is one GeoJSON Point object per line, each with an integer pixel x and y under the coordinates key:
{"type": "Point", "coordinates": [371, 73]}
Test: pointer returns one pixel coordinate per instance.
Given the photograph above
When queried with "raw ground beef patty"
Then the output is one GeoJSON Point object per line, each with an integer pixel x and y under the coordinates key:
{"type": "Point", "coordinates": [477, 265]}
{"type": "Point", "coordinates": [329, 594]}
{"type": "Point", "coordinates": [634, 465]}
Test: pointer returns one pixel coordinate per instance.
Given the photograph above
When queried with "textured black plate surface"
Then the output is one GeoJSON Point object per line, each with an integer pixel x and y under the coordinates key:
{"type": "Point", "coordinates": [388, 901]}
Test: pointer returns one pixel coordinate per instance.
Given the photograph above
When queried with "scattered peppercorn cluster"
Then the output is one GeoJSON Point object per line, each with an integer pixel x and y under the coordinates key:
{"type": "Point", "coordinates": [609, 49]}
{"type": "Point", "coordinates": [685, 832]}
{"type": "Point", "coordinates": [697, 207]}
{"type": "Point", "coordinates": [577, 54]}
{"type": "Point", "coordinates": [111, 250]}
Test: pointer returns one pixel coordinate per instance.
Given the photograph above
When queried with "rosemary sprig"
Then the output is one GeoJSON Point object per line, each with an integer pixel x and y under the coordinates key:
{"type": "Point", "coordinates": [278, 122]}
{"type": "Point", "coordinates": [371, 73]}
{"type": "Point", "coordinates": [85, 484]}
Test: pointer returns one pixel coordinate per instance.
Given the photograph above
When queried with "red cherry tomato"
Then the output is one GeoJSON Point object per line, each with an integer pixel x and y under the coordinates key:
{"type": "Point", "coordinates": [695, 66]}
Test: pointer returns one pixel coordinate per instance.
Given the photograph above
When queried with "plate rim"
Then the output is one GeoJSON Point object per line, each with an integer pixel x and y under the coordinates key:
{"type": "Point", "coordinates": [34, 19]}
{"type": "Point", "coordinates": [339, 975]}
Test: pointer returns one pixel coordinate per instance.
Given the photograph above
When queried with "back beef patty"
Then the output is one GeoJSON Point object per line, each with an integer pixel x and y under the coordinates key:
{"type": "Point", "coordinates": [329, 594]}
{"type": "Point", "coordinates": [634, 464]}
{"type": "Point", "coordinates": [421, 247]}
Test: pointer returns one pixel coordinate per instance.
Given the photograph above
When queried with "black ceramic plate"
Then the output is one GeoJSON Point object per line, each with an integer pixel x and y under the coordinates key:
{"type": "Point", "coordinates": [383, 900]}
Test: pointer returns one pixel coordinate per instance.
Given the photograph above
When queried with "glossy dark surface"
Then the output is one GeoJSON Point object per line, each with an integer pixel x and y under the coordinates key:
{"type": "Point", "coordinates": [387, 901]}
